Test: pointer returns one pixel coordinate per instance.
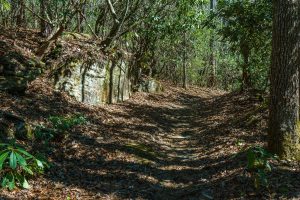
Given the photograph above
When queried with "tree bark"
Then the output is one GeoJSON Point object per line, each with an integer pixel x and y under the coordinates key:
{"type": "Point", "coordinates": [80, 18]}
{"type": "Point", "coordinates": [118, 23]}
{"type": "Point", "coordinates": [43, 49]}
{"type": "Point", "coordinates": [21, 17]}
{"type": "Point", "coordinates": [46, 28]}
{"type": "Point", "coordinates": [284, 125]}
{"type": "Point", "coordinates": [212, 60]}
{"type": "Point", "coordinates": [111, 82]}
{"type": "Point", "coordinates": [184, 63]}
{"type": "Point", "coordinates": [246, 77]}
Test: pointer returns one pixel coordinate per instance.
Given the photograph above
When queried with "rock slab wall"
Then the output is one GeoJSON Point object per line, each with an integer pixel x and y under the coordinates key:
{"type": "Point", "coordinates": [94, 83]}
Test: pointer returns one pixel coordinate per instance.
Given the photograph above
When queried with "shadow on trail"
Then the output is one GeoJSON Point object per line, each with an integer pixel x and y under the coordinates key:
{"type": "Point", "coordinates": [185, 147]}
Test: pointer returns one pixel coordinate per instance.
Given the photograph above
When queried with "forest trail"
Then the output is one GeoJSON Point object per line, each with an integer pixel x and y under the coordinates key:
{"type": "Point", "coordinates": [179, 144]}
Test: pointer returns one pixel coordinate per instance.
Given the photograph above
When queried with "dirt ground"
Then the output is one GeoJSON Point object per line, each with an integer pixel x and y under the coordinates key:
{"type": "Point", "coordinates": [178, 144]}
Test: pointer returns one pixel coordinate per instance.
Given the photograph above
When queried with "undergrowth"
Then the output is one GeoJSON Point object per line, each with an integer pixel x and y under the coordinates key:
{"type": "Point", "coordinates": [258, 164]}
{"type": "Point", "coordinates": [16, 165]}
{"type": "Point", "coordinates": [58, 127]}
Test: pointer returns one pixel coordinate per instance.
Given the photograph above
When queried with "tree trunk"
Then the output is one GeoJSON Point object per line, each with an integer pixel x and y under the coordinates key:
{"type": "Point", "coordinates": [101, 18]}
{"type": "Point", "coordinates": [46, 28]}
{"type": "Point", "coordinates": [18, 13]}
{"type": "Point", "coordinates": [246, 78]}
{"type": "Point", "coordinates": [80, 18]}
{"type": "Point", "coordinates": [284, 130]}
{"type": "Point", "coordinates": [212, 60]}
{"type": "Point", "coordinates": [21, 17]}
{"type": "Point", "coordinates": [43, 49]}
{"type": "Point", "coordinates": [184, 63]}
{"type": "Point", "coordinates": [212, 80]}
{"type": "Point", "coordinates": [111, 82]}
{"type": "Point", "coordinates": [118, 23]}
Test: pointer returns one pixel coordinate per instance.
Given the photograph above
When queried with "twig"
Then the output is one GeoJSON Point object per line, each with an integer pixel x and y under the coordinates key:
{"type": "Point", "coordinates": [89, 26]}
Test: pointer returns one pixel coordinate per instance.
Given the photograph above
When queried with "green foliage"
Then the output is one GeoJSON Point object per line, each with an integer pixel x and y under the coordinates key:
{"type": "Point", "coordinates": [43, 134]}
{"type": "Point", "coordinates": [259, 165]}
{"type": "Point", "coordinates": [245, 21]}
{"type": "Point", "coordinates": [65, 123]}
{"type": "Point", "coordinates": [164, 35]}
{"type": "Point", "coordinates": [237, 29]}
{"type": "Point", "coordinates": [59, 127]}
{"type": "Point", "coordinates": [247, 27]}
{"type": "Point", "coordinates": [16, 164]}
{"type": "Point", "coordinates": [5, 5]}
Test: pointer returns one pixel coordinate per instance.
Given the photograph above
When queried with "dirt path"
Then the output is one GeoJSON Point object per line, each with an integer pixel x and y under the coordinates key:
{"type": "Point", "coordinates": [175, 145]}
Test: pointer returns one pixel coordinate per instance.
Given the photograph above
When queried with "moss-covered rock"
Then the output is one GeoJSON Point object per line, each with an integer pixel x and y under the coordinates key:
{"type": "Point", "coordinates": [13, 126]}
{"type": "Point", "coordinates": [121, 85]}
{"type": "Point", "coordinates": [150, 85]}
{"type": "Point", "coordinates": [85, 81]}
{"type": "Point", "coordinates": [93, 81]}
{"type": "Point", "coordinates": [16, 71]}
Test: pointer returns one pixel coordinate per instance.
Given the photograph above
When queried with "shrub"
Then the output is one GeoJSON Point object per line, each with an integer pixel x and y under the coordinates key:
{"type": "Point", "coordinates": [65, 123]}
{"type": "Point", "coordinates": [16, 164]}
{"type": "Point", "coordinates": [259, 165]}
{"type": "Point", "coordinates": [59, 127]}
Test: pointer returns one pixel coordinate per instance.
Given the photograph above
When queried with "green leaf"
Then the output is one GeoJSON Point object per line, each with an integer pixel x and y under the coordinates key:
{"type": "Point", "coordinates": [25, 184]}
{"type": "Point", "coordinates": [28, 170]}
{"type": "Point", "coordinates": [13, 160]}
{"type": "Point", "coordinates": [268, 166]}
{"type": "Point", "coordinates": [23, 151]}
{"type": "Point", "coordinates": [3, 158]}
{"type": "Point", "coordinates": [263, 177]}
{"type": "Point", "coordinates": [10, 181]}
{"type": "Point", "coordinates": [21, 159]}
{"type": "Point", "coordinates": [4, 182]}
{"type": "Point", "coordinates": [39, 163]}
{"type": "Point", "coordinates": [251, 159]}
{"type": "Point", "coordinates": [5, 4]}
{"type": "Point", "coordinates": [18, 177]}
{"type": "Point", "coordinates": [11, 184]}
{"type": "Point", "coordinates": [256, 182]}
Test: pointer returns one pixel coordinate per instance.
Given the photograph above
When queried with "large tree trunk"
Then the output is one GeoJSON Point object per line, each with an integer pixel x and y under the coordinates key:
{"type": "Point", "coordinates": [284, 125]}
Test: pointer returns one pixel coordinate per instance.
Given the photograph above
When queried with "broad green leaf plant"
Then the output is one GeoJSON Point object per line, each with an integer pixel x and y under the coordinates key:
{"type": "Point", "coordinates": [16, 165]}
{"type": "Point", "coordinates": [259, 164]}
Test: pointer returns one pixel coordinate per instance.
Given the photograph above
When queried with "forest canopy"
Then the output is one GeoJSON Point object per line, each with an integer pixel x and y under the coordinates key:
{"type": "Point", "coordinates": [222, 44]}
